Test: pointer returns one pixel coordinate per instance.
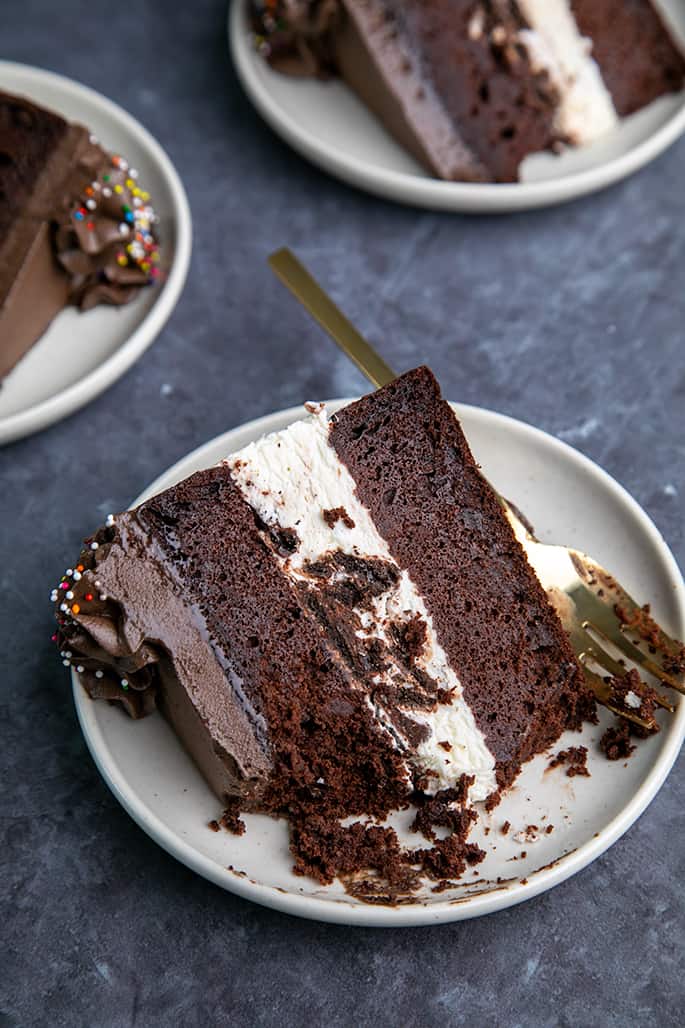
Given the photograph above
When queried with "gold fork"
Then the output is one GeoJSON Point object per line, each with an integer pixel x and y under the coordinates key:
{"type": "Point", "coordinates": [605, 625]}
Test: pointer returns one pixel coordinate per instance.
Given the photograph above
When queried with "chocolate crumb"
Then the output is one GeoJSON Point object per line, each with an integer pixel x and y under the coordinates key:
{"type": "Point", "coordinates": [214, 825]}
{"type": "Point", "coordinates": [634, 696]}
{"type": "Point", "coordinates": [576, 759]}
{"type": "Point", "coordinates": [505, 828]}
{"type": "Point", "coordinates": [232, 821]}
{"type": "Point", "coordinates": [615, 743]}
{"type": "Point", "coordinates": [549, 829]}
{"type": "Point", "coordinates": [335, 514]}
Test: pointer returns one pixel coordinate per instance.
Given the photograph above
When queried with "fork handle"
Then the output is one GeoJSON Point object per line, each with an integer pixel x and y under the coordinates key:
{"type": "Point", "coordinates": [310, 294]}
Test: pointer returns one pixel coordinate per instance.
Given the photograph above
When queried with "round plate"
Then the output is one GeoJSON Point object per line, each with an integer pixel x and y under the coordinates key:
{"type": "Point", "coordinates": [568, 498]}
{"type": "Point", "coordinates": [83, 353]}
{"type": "Point", "coordinates": [327, 124]}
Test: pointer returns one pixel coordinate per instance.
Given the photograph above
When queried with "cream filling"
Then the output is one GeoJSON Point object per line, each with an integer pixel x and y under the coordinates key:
{"type": "Point", "coordinates": [289, 478]}
{"type": "Point", "coordinates": [554, 44]}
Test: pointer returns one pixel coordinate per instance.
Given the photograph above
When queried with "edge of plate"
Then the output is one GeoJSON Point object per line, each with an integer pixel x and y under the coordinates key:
{"type": "Point", "coordinates": [339, 912]}
{"type": "Point", "coordinates": [75, 396]}
{"type": "Point", "coordinates": [431, 193]}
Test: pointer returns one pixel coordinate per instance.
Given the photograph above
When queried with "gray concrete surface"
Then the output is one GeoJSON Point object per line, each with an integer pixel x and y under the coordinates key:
{"type": "Point", "coordinates": [571, 319]}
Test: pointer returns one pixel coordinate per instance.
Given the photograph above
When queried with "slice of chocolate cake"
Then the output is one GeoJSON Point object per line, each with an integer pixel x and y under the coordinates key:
{"type": "Point", "coordinates": [75, 226]}
{"type": "Point", "coordinates": [335, 620]}
{"type": "Point", "coordinates": [472, 87]}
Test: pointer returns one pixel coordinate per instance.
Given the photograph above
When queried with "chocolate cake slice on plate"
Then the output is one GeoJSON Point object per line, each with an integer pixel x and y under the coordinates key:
{"type": "Point", "coordinates": [75, 226]}
{"type": "Point", "coordinates": [336, 621]}
{"type": "Point", "coordinates": [472, 87]}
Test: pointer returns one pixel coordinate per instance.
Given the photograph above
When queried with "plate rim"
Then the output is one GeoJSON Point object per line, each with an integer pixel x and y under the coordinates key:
{"type": "Point", "coordinates": [412, 915]}
{"type": "Point", "coordinates": [46, 412]}
{"type": "Point", "coordinates": [433, 193]}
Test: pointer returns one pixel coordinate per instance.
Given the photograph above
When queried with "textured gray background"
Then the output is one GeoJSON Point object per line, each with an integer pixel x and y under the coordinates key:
{"type": "Point", "coordinates": [571, 319]}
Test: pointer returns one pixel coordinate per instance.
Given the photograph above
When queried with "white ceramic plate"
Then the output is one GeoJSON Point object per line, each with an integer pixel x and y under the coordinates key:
{"type": "Point", "coordinates": [568, 498]}
{"type": "Point", "coordinates": [82, 354]}
{"type": "Point", "coordinates": [327, 124]}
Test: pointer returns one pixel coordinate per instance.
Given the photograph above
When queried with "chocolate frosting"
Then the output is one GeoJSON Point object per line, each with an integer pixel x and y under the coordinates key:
{"type": "Point", "coordinates": [95, 634]}
{"type": "Point", "coordinates": [295, 35]}
{"type": "Point", "coordinates": [106, 240]}
{"type": "Point", "coordinates": [75, 225]}
{"type": "Point", "coordinates": [136, 638]}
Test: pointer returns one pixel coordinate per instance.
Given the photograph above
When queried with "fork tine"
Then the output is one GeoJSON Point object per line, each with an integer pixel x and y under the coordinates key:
{"type": "Point", "coordinates": [598, 614]}
{"type": "Point", "coordinates": [603, 693]}
{"type": "Point", "coordinates": [636, 656]}
{"type": "Point", "coordinates": [585, 646]}
{"type": "Point", "coordinates": [616, 614]}
{"type": "Point", "coordinates": [605, 660]}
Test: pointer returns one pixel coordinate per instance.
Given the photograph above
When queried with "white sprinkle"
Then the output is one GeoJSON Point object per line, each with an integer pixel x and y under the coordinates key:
{"type": "Point", "coordinates": [69, 654]}
{"type": "Point", "coordinates": [77, 576]}
{"type": "Point", "coordinates": [124, 229]}
{"type": "Point", "coordinates": [99, 674]}
{"type": "Point", "coordinates": [53, 596]}
{"type": "Point", "coordinates": [94, 545]}
{"type": "Point", "coordinates": [96, 186]}
{"type": "Point", "coordinates": [133, 172]}
{"type": "Point", "coordinates": [137, 202]}
{"type": "Point", "coordinates": [94, 139]}
{"type": "Point", "coordinates": [69, 572]}
{"type": "Point", "coordinates": [670, 489]}
{"type": "Point", "coordinates": [70, 595]}
{"type": "Point", "coordinates": [477, 24]}
{"type": "Point", "coordinates": [98, 584]}
{"type": "Point", "coordinates": [63, 607]}
{"type": "Point", "coordinates": [66, 663]}
{"type": "Point", "coordinates": [166, 389]}
{"type": "Point", "coordinates": [103, 596]}
{"type": "Point", "coordinates": [124, 681]}
{"type": "Point", "coordinates": [62, 653]}
{"type": "Point", "coordinates": [109, 520]}
{"type": "Point", "coordinates": [80, 669]}
{"type": "Point", "coordinates": [106, 191]}
{"type": "Point", "coordinates": [632, 700]}
{"type": "Point", "coordinates": [123, 164]}
{"type": "Point", "coordinates": [91, 205]}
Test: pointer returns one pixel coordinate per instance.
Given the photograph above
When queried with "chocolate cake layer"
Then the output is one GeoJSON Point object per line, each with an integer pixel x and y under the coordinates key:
{"type": "Point", "coordinates": [337, 621]}
{"type": "Point", "coordinates": [634, 48]}
{"type": "Point", "coordinates": [32, 287]}
{"type": "Point", "coordinates": [442, 521]}
{"type": "Point", "coordinates": [75, 228]}
{"type": "Point", "coordinates": [471, 59]}
{"type": "Point", "coordinates": [473, 87]}
{"type": "Point", "coordinates": [240, 667]}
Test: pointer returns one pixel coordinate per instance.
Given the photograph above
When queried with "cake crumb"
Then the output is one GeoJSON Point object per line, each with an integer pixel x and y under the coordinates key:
{"type": "Point", "coordinates": [214, 825]}
{"type": "Point", "coordinates": [615, 743]}
{"type": "Point", "coordinates": [549, 829]}
{"type": "Point", "coordinates": [232, 821]}
{"type": "Point", "coordinates": [576, 759]}
{"type": "Point", "coordinates": [631, 694]}
{"type": "Point", "coordinates": [335, 514]}
{"type": "Point", "coordinates": [505, 828]}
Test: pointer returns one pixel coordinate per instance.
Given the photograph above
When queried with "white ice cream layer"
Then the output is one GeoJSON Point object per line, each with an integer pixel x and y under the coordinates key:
{"type": "Point", "coordinates": [289, 478]}
{"type": "Point", "coordinates": [555, 45]}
